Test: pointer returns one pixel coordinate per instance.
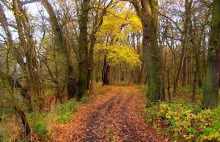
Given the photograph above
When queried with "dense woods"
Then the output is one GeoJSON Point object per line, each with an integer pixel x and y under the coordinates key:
{"type": "Point", "coordinates": [54, 54]}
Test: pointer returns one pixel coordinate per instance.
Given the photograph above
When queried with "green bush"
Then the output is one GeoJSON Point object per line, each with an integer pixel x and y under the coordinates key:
{"type": "Point", "coordinates": [186, 121]}
{"type": "Point", "coordinates": [41, 129]}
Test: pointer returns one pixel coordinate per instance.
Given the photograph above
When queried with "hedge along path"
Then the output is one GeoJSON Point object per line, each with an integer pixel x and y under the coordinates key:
{"type": "Point", "coordinates": [118, 115]}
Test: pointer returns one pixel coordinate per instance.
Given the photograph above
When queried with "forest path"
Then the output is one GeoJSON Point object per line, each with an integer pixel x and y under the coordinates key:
{"type": "Point", "coordinates": [116, 116]}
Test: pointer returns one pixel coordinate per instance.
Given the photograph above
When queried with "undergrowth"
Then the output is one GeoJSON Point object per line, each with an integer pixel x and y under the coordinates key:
{"type": "Point", "coordinates": [185, 121]}
{"type": "Point", "coordinates": [43, 123]}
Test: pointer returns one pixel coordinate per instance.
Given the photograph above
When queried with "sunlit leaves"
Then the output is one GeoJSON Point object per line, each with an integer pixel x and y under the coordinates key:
{"type": "Point", "coordinates": [124, 54]}
{"type": "Point", "coordinates": [117, 54]}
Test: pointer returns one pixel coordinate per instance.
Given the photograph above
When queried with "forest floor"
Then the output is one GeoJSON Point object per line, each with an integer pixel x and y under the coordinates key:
{"type": "Point", "coordinates": [114, 116]}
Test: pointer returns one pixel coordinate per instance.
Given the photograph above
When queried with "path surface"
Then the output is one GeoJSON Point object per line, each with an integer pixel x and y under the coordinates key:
{"type": "Point", "coordinates": [116, 116]}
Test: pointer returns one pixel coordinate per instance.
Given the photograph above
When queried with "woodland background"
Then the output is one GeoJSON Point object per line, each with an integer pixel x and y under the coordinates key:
{"type": "Point", "coordinates": [54, 53]}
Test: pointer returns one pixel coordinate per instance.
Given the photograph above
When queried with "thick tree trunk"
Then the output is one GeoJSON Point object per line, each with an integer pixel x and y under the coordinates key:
{"type": "Point", "coordinates": [211, 88]}
{"type": "Point", "coordinates": [72, 85]}
{"type": "Point", "coordinates": [148, 13]}
{"type": "Point", "coordinates": [152, 51]}
{"type": "Point", "coordinates": [83, 50]}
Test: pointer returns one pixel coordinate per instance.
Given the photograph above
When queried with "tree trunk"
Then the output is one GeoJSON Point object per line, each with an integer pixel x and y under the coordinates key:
{"type": "Point", "coordinates": [24, 120]}
{"type": "Point", "coordinates": [184, 43]}
{"type": "Point", "coordinates": [90, 61]}
{"type": "Point", "coordinates": [27, 42]}
{"type": "Point", "coordinates": [13, 82]}
{"type": "Point", "coordinates": [211, 88]}
{"type": "Point", "coordinates": [83, 50]}
{"type": "Point", "coordinates": [62, 48]}
{"type": "Point", "coordinates": [105, 72]}
{"type": "Point", "coordinates": [148, 14]}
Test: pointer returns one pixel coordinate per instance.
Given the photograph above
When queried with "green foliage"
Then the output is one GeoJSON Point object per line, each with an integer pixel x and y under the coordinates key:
{"type": "Point", "coordinates": [41, 129]}
{"type": "Point", "coordinates": [186, 121]}
{"type": "Point", "coordinates": [64, 111]}
{"type": "Point", "coordinates": [66, 108]}
{"type": "Point", "coordinates": [64, 117]}
{"type": "Point", "coordinates": [144, 88]}
{"type": "Point", "coordinates": [4, 134]}
{"type": "Point", "coordinates": [84, 100]}
{"type": "Point", "coordinates": [186, 89]}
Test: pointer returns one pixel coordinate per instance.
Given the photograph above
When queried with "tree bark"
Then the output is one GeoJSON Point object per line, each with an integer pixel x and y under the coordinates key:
{"type": "Point", "coordinates": [105, 72]}
{"type": "Point", "coordinates": [211, 88]}
{"type": "Point", "coordinates": [24, 120]}
{"type": "Point", "coordinates": [147, 11]}
{"type": "Point", "coordinates": [83, 49]}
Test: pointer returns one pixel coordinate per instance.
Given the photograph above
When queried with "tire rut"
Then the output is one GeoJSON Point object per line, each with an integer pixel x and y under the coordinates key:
{"type": "Point", "coordinates": [117, 116]}
{"type": "Point", "coordinates": [96, 123]}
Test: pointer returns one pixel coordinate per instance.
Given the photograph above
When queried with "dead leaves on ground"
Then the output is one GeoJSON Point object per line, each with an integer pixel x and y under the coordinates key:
{"type": "Point", "coordinates": [116, 116]}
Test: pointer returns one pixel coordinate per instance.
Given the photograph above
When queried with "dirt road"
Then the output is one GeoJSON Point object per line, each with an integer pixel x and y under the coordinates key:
{"type": "Point", "coordinates": [116, 116]}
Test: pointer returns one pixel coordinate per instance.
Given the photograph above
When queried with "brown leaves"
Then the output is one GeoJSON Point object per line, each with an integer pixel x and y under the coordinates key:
{"type": "Point", "coordinates": [116, 116]}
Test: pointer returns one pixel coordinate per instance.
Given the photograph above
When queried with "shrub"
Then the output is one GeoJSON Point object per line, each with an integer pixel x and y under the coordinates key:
{"type": "Point", "coordinates": [186, 121]}
{"type": "Point", "coordinates": [41, 129]}
{"type": "Point", "coordinates": [84, 100]}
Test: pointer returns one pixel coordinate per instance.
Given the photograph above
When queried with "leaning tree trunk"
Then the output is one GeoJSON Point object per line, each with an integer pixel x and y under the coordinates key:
{"type": "Point", "coordinates": [13, 82]}
{"type": "Point", "coordinates": [211, 88]}
{"type": "Point", "coordinates": [27, 42]}
{"type": "Point", "coordinates": [24, 120]}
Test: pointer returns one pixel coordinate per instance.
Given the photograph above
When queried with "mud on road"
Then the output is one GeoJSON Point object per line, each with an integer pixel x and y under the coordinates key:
{"type": "Point", "coordinates": [117, 116]}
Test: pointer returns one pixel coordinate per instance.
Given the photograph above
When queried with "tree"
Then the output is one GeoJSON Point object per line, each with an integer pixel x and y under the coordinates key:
{"type": "Point", "coordinates": [83, 49]}
{"type": "Point", "coordinates": [211, 88]}
{"type": "Point", "coordinates": [147, 11]}
{"type": "Point", "coordinates": [31, 65]}
{"type": "Point", "coordinates": [63, 49]}
{"type": "Point", "coordinates": [98, 14]}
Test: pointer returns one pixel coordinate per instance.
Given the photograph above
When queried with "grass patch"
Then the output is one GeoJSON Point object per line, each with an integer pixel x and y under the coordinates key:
{"type": "Point", "coordinates": [4, 134]}
{"type": "Point", "coordinates": [43, 123]}
{"type": "Point", "coordinates": [64, 111]}
{"type": "Point", "coordinates": [41, 129]}
{"type": "Point", "coordinates": [143, 88]}
{"type": "Point", "coordinates": [66, 108]}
